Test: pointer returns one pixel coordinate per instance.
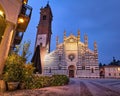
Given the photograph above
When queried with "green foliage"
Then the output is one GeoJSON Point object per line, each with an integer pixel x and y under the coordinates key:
{"type": "Point", "coordinates": [13, 68]}
{"type": "Point", "coordinates": [16, 69]}
{"type": "Point", "coordinates": [45, 81]}
{"type": "Point", "coordinates": [115, 62]}
{"type": "Point", "coordinates": [39, 82]}
{"type": "Point", "coordinates": [23, 50]}
{"type": "Point", "coordinates": [59, 80]}
{"type": "Point", "coordinates": [27, 74]}
{"type": "Point", "coordinates": [42, 81]}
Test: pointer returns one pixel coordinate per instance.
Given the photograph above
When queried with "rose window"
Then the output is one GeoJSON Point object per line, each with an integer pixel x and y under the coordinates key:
{"type": "Point", "coordinates": [71, 57]}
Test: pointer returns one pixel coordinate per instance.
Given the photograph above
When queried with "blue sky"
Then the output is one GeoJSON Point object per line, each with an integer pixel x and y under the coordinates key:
{"type": "Point", "coordinates": [99, 19]}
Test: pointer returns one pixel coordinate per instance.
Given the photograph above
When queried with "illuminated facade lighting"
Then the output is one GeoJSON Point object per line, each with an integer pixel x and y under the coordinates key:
{"type": "Point", "coordinates": [118, 69]}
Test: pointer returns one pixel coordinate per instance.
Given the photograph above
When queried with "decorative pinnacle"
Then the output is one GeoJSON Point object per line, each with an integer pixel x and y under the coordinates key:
{"type": "Point", "coordinates": [78, 35]}
{"type": "Point", "coordinates": [95, 45]}
{"type": "Point", "coordinates": [86, 40]}
{"type": "Point", "coordinates": [78, 32]}
{"type": "Point", "coordinates": [57, 41]}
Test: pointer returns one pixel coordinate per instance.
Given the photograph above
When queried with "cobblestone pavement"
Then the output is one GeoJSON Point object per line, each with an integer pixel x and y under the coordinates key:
{"type": "Point", "coordinates": [76, 87]}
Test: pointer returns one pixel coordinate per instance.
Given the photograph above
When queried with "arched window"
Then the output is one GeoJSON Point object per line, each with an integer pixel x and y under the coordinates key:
{"type": "Point", "coordinates": [59, 66]}
{"type": "Point", "coordinates": [41, 44]}
{"type": "Point", "coordinates": [109, 74]}
{"type": "Point", "coordinates": [44, 17]}
{"type": "Point", "coordinates": [92, 70]}
{"type": "Point", "coordinates": [83, 67]}
{"type": "Point", "coordinates": [59, 58]}
{"type": "Point", "coordinates": [49, 70]}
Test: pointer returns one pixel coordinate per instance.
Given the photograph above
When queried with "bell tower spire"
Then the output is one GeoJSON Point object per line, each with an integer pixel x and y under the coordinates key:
{"type": "Point", "coordinates": [44, 32]}
{"type": "Point", "coordinates": [86, 40]}
{"type": "Point", "coordinates": [78, 35]}
{"type": "Point", "coordinates": [57, 41]}
{"type": "Point", "coordinates": [44, 27]}
{"type": "Point", "coordinates": [95, 47]}
{"type": "Point", "coordinates": [64, 35]}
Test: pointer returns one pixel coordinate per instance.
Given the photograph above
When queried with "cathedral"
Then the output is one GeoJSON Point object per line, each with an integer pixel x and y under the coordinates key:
{"type": "Point", "coordinates": [72, 57]}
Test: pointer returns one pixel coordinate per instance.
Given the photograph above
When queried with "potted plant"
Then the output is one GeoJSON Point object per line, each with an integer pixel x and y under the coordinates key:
{"type": "Point", "coordinates": [2, 84]}
{"type": "Point", "coordinates": [13, 70]}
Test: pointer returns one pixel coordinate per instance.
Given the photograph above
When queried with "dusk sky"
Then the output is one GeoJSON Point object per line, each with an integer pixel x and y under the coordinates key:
{"type": "Point", "coordinates": [99, 19]}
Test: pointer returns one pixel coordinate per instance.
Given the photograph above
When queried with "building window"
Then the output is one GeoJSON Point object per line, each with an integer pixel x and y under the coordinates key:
{"type": "Point", "coordinates": [59, 58]}
{"type": "Point", "coordinates": [83, 58]}
{"type": "Point", "coordinates": [114, 74]}
{"type": "Point", "coordinates": [71, 57]}
{"type": "Point", "coordinates": [59, 66]}
{"type": "Point", "coordinates": [119, 74]}
{"type": "Point", "coordinates": [44, 17]}
{"type": "Point", "coordinates": [109, 74]}
{"type": "Point", "coordinates": [40, 38]}
{"type": "Point", "coordinates": [83, 67]}
{"type": "Point", "coordinates": [40, 44]}
{"type": "Point", "coordinates": [92, 70]}
{"type": "Point", "coordinates": [49, 70]}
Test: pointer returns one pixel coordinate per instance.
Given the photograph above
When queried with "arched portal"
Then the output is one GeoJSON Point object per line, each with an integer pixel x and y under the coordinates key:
{"type": "Point", "coordinates": [71, 69]}
{"type": "Point", "coordinates": [2, 23]}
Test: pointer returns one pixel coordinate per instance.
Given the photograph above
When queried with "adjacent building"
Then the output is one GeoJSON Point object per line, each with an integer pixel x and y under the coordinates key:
{"type": "Point", "coordinates": [14, 18]}
{"type": "Point", "coordinates": [112, 71]}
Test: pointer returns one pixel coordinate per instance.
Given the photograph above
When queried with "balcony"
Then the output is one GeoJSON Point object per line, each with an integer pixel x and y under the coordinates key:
{"type": "Point", "coordinates": [18, 38]}
{"type": "Point", "coordinates": [24, 18]}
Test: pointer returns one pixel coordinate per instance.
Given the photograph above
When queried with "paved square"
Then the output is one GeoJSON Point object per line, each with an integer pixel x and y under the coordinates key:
{"type": "Point", "coordinates": [76, 87]}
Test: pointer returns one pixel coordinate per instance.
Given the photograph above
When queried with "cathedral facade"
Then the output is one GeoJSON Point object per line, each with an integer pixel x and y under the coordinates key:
{"type": "Point", "coordinates": [72, 57]}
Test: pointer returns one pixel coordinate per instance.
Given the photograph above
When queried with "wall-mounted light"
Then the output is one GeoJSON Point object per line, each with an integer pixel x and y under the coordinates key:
{"type": "Point", "coordinates": [25, 1]}
{"type": "Point", "coordinates": [1, 13]}
{"type": "Point", "coordinates": [20, 20]}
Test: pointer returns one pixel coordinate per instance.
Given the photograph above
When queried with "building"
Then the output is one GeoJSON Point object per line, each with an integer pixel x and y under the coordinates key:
{"type": "Point", "coordinates": [44, 32]}
{"type": "Point", "coordinates": [14, 18]}
{"type": "Point", "coordinates": [112, 71]}
{"type": "Point", "coordinates": [72, 57]}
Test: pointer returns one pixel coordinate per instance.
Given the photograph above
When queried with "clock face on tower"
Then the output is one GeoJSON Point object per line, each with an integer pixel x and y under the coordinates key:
{"type": "Point", "coordinates": [41, 40]}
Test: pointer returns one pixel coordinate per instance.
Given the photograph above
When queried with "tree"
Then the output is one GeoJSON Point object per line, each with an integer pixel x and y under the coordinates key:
{"type": "Point", "coordinates": [23, 50]}
{"type": "Point", "coordinates": [100, 64]}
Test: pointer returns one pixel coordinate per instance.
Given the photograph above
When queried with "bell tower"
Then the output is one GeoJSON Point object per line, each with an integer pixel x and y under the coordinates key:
{"type": "Point", "coordinates": [44, 32]}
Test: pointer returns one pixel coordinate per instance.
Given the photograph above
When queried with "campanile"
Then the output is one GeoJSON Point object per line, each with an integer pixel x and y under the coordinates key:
{"type": "Point", "coordinates": [44, 32]}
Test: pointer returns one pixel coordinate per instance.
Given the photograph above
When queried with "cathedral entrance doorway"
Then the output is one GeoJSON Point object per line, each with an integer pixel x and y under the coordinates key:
{"type": "Point", "coordinates": [71, 69]}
